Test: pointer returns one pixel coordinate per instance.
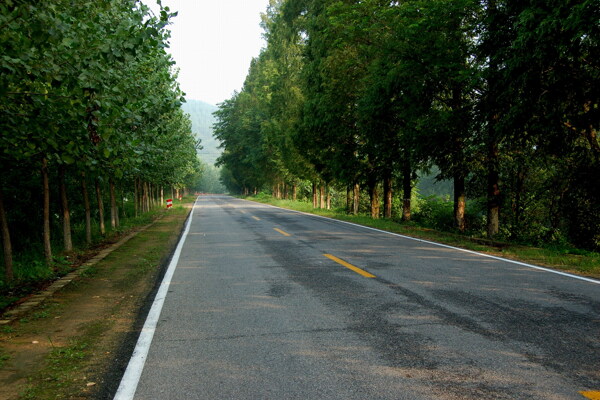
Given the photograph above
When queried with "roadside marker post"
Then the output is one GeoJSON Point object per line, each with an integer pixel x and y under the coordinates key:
{"type": "Point", "coordinates": [169, 203]}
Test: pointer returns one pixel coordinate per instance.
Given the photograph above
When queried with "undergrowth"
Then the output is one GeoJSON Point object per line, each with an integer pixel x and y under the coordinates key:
{"type": "Point", "coordinates": [31, 273]}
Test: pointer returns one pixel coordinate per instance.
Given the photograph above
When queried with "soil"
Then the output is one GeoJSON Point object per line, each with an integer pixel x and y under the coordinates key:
{"type": "Point", "coordinates": [76, 345]}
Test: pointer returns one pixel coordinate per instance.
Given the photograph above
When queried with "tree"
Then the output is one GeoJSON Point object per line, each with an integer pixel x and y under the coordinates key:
{"type": "Point", "coordinates": [87, 90]}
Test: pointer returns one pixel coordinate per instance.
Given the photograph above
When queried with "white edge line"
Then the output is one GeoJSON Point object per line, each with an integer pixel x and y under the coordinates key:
{"type": "Point", "coordinates": [132, 374]}
{"type": "Point", "coordinates": [581, 278]}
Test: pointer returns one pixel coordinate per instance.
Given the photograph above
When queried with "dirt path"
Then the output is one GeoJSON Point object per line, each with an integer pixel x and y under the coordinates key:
{"type": "Point", "coordinates": [74, 345]}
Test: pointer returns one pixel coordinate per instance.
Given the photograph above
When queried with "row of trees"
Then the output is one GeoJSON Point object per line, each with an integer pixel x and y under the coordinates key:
{"type": "Point", "coordinates": [501, 96]}
{"type": "Point", "coordinates": [88, 103]}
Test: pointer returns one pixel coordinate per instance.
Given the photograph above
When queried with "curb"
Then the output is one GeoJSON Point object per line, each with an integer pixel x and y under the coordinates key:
{"type": "Point", "coordinates": [40, 297]}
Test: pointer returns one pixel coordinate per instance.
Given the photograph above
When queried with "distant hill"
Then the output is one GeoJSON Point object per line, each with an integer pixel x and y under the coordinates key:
{"type": "Point", "coordinates": [428, 185]}
{"type": "Point", "coordinates": [202, 122]}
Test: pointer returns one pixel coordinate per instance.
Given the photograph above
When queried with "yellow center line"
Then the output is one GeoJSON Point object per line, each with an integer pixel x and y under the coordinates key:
{"type": "Point", "coordinates": [256, 218]}
{"type": "Point", "coordinates": [591, 395]}
{"type": "Point", "coordinates": [350, 266]}
{"type": "Point", "coordinates": [282, 232]}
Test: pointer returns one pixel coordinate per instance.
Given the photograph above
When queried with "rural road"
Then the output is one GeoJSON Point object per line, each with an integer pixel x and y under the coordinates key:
{"type": "Point", "coordinates": [263, 304]}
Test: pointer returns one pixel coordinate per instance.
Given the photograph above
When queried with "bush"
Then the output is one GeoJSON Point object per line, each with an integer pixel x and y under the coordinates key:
{"type": "Point", "coordinates": [435, 213]}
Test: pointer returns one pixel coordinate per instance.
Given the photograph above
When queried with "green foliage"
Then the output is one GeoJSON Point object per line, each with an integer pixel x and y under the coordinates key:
{"type": "Point", "coordinates": [435, 213]}
{"type": "Point", "coordinates": [210, 181]}
{"type": "Point", "coordinates": [88, 87]}
{"type": "Point", "coordinates": [57, 378]}
{"type": "Point", "coordinates": [496, 98]}
{"type": "Point", "coordinates": [3, 358]}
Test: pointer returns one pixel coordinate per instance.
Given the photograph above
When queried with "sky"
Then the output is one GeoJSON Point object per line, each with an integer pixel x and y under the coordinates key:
{"type": "Point", "coordinates": [212, 43]}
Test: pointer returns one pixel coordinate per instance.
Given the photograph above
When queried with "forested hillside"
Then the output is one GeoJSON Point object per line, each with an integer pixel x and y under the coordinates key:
{"type": "Point", "coordinates": [352, 99]}
{"type": "Point", "coordinates": [201, 115]}
{"type": "Point", "coordinates": [92, 131]}
{"type": "Point", "coordinates": [202, 118]}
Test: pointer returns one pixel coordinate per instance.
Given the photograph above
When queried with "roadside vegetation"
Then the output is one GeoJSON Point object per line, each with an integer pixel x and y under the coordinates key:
{"type": "Point", "coordinates": [357, 102]}
{"type": "Point", "coordinates": [32, 273]}
{"type": "Point", "coordinates": [93, 135]}
{"type": "Point", "coordinates": [70, 346]}
{"type": "Point", "coordinates": [428, 211]}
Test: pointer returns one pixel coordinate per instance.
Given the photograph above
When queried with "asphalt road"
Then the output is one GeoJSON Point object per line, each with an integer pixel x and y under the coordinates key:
{"type": "Point", "coordinates": [261, 307]}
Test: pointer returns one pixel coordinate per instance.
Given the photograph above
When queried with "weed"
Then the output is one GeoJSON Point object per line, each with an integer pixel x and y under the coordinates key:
{"type": "Point", "coordinates": [40, 315]}
{"type": "Point", "coordinates": [89, 272]}
{"type": "Point", "coordinates": [7, 329]}
{"type": "Point", "coordinates": [32, 272]}
{"type": "Point", "coordinates": [57, 379]}
{"type": "Point", "coordinates": [3, 357]}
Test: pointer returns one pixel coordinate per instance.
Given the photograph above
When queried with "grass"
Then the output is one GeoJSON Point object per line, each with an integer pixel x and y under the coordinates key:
{"type": "Point", "coordinates": [3, 357]}
{"type": "Point", "coordinates": [68, 371]}
{"type": "Point", "coordinates": [62, 376]}
{"type": "Point", "coordinates": [32, 273]}
{"type": "Point", "coordinates": [577, 261]}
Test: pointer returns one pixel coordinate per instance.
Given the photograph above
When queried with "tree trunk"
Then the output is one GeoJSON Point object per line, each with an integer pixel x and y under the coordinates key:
{"type": "Point", "coordinates": [519, 191]}
{"type": "Point", "coordinates": [356, 202]}
{"type": "Point", "coordinates": [459, 201]}
{"type": "Point", "coordinates": [162, 197]}
{"type": "Point", "coordinates": [348, 199]}
{"type": "Point", "coordinates": [406, 191]}
{"type": "Point", "coordinates": [295, 191]}
{"type": "Point", "coordinates": [458, 160]}
{"type": "Point", "coordinates": [88, 210]}
{"type": "Point", "coordinates": [136, 195]}
{"type": "Point", "coordinates": [113, 205]}
{"type": "Point", "coordinates": [66, 214]}
{"type": "Point", "coordinates": [374, 195]}
{"type": "Point", "coordinates": [46, 213]}
{"type": "Point", "coordinates": [322, 195]}
{"type": "Point", "coordinates": [387, 196]}
{"type": "Point", "coordinates": [145, 200]}
{"type": "Point", "coordinates": [120, 208]}
{"type": "Point", "coordinates": [315, 197]}
{"type": "Point", "coordinates": [493, 192]}
{"type": "Point", "coordinates": [6, 244]}
{"type": "Point", "coordinates": [100, 208]}
{"type": "Point", "coordinates": [328, 196]}
{"type": "Point", "coordinates": [141, 204]}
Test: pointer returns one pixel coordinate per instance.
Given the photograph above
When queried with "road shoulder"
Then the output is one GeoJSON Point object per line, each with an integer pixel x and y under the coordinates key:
{"type": "Point", "coordinates": [77, 342]}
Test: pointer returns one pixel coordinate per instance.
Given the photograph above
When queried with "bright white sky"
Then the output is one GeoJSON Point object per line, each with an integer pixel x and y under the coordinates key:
{"type": "Point", "coordinates": [213, 42]}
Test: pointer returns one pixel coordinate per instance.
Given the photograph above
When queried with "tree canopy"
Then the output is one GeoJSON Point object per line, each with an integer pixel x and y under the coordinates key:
{"type": "Point", "coordinates": [500, 97]}
{"type": "Point", "coordinates": [88, 92]}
